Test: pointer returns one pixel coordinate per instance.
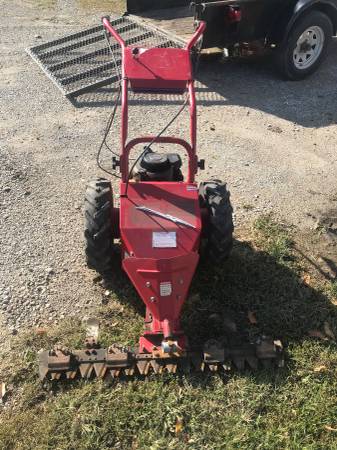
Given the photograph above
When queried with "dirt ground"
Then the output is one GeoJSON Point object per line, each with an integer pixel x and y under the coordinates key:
{"type": "Point", "coordinates": [274, 142]}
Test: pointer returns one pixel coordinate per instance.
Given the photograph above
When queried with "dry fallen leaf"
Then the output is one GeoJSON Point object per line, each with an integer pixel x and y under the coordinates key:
{"type": "Point", "coordinates": [327, 427]}
{"type": "Point", "coordinates": [320, 369]}
{"type": "Point", "coordinates": [318, 334]}
{"type": "Point", "coordinates": [134, 445]}
{"type": "Point", "coordinates": [41, 331]}
{"type": "Point", "coordinates": [328, 331]}
{"type": "Point", "coordinates": [306, 279]}
{"type": "Point", "coordinates": [2, 392]}
{"type": "Point", "coordinates": [252, 318]}
{"type": "Point", "coordinates": [179, 425]}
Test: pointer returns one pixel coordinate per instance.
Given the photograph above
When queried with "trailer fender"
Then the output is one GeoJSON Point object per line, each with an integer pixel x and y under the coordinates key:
{"type": "Point", "coordinates": [281, 27]}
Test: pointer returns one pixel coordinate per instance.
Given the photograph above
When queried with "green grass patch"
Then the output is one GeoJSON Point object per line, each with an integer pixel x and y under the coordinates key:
{"type": "Point", "coordinates": [333, 288]}
{"type": "Point", "coordinates": [273, 237]}
{"type": "Point", "coordinates": [290, 408]}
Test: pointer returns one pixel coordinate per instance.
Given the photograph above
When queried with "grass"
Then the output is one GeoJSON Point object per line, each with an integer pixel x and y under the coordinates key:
{"type": "Point", "coordinates": [292, 408]}
{"type": "Point", "coordinates": [333, 289]}
{"type": "Point", "coordinates": [274, 238]}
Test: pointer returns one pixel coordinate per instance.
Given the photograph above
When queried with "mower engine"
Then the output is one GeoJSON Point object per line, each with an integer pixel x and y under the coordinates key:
{"type": "Point", "coordinates": [158, 167]}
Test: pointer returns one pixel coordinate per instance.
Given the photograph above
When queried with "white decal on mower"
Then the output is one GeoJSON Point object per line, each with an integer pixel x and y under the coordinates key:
{"type": "Point", "coordinates": [163, 239]}
{"type": "Point", "coordinates": [165, 288]}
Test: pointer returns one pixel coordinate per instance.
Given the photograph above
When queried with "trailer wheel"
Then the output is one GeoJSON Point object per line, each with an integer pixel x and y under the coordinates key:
{"type": "Point", "coordinates": [305, 46]}
{"type": "Point", "coordinates": [218, 229]}
{"type": "Point", "coordinates": [98, 207]}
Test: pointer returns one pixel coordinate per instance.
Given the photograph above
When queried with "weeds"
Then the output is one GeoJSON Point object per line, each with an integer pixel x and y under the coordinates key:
{"type": "Point", "coordinates": [274, 238]}
{"type": "Point", "coordinates": [333, 289]}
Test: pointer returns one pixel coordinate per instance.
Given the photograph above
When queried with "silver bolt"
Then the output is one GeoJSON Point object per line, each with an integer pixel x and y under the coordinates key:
{"type": "Point", "coordinates": [152, 299]}
{"type": "Point", "coordinates": [181, 281]}
{"type": "Point", "coordinates": [147, 284]}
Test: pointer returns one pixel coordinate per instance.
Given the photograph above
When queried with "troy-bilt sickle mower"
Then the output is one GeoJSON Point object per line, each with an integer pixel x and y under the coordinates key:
{"type": "Point", "coordinates": [161, 222]}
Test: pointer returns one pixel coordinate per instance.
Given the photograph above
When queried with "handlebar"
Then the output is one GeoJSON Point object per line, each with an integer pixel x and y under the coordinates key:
{"type": "Point", "coordinates": [107, 25]}
{"type": "Point", "coordinates": [200, 30]}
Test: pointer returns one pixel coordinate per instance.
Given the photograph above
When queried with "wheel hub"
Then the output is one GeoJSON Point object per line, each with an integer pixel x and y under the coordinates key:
{"type": "Point", "coordinates": [308, 48]}
{"type": "Point", "coordinates": [305, 46]}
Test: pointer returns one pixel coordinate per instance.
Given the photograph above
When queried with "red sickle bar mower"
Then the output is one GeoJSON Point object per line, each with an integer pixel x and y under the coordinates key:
{"type": "Point", "coordinates": [161, 221]}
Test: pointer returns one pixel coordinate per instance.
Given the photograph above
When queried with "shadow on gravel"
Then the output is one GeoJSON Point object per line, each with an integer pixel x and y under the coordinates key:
{"type": "Point", "coordinates": [120, 285]}
{"type": "Point", "coordinates": [252, 83]}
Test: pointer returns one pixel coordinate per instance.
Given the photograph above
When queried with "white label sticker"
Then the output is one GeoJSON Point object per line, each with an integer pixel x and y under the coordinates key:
{"type": "Point", "coordinates": [165, 288]}
{"type": "Point", "coordinates": [191, 188]}
{"type": "Point", "coordinates": [162, 239]}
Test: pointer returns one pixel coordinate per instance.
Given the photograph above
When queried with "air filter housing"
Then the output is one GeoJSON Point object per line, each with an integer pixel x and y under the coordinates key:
{"type": "Point", "coordinates": [159, 167]}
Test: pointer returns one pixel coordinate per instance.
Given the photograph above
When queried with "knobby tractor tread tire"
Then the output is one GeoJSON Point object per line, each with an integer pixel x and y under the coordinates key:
{"type": "Point", "coordinates": [98, 225]}
{"type": "Point", "coordinates": [214, 196]}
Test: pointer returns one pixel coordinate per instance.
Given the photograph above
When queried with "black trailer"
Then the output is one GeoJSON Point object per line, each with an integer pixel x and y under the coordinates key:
{"type": "Point", "coordinates": [296, 32]}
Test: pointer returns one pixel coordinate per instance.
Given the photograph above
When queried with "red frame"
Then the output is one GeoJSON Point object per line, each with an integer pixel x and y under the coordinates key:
{"type": "Point", "coordinates": [148, 267]}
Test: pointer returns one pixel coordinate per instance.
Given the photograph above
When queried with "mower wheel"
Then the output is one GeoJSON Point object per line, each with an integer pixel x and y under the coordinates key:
{"type": "Point", "coordinates": [218, 229]}
{"type": "Point", "coordinates": [98, 207]}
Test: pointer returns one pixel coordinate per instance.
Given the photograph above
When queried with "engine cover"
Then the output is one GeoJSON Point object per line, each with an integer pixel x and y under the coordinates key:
{"type": "Point", "coordinates": [159, 167]}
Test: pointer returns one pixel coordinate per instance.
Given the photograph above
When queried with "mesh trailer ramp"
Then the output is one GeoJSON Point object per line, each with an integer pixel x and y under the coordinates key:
{"type": "Point", "coordinates": [82, 62]}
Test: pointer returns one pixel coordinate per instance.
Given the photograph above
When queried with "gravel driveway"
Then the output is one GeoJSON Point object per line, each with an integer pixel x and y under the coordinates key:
{"type": "Point", "coordinates": [273, 141]}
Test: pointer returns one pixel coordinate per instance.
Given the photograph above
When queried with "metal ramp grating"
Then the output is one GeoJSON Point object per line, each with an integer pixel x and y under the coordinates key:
{"type": "Point", "coordinates": [82, 62]}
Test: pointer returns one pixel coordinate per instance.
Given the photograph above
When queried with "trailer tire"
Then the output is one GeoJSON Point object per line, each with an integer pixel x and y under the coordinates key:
{"type": "Point", "coordinates": [98, 231]}
{"type": "Point", "coordinates": [296, 63]}
{"type": "Point", "coordinates": [218, 231]}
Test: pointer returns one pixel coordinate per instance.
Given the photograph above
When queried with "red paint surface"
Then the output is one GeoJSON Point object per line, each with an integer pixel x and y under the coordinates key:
{"type": "Point", "coordinates": [147, 266]}
{"type": "Point", "coordinates": [153, 69]}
